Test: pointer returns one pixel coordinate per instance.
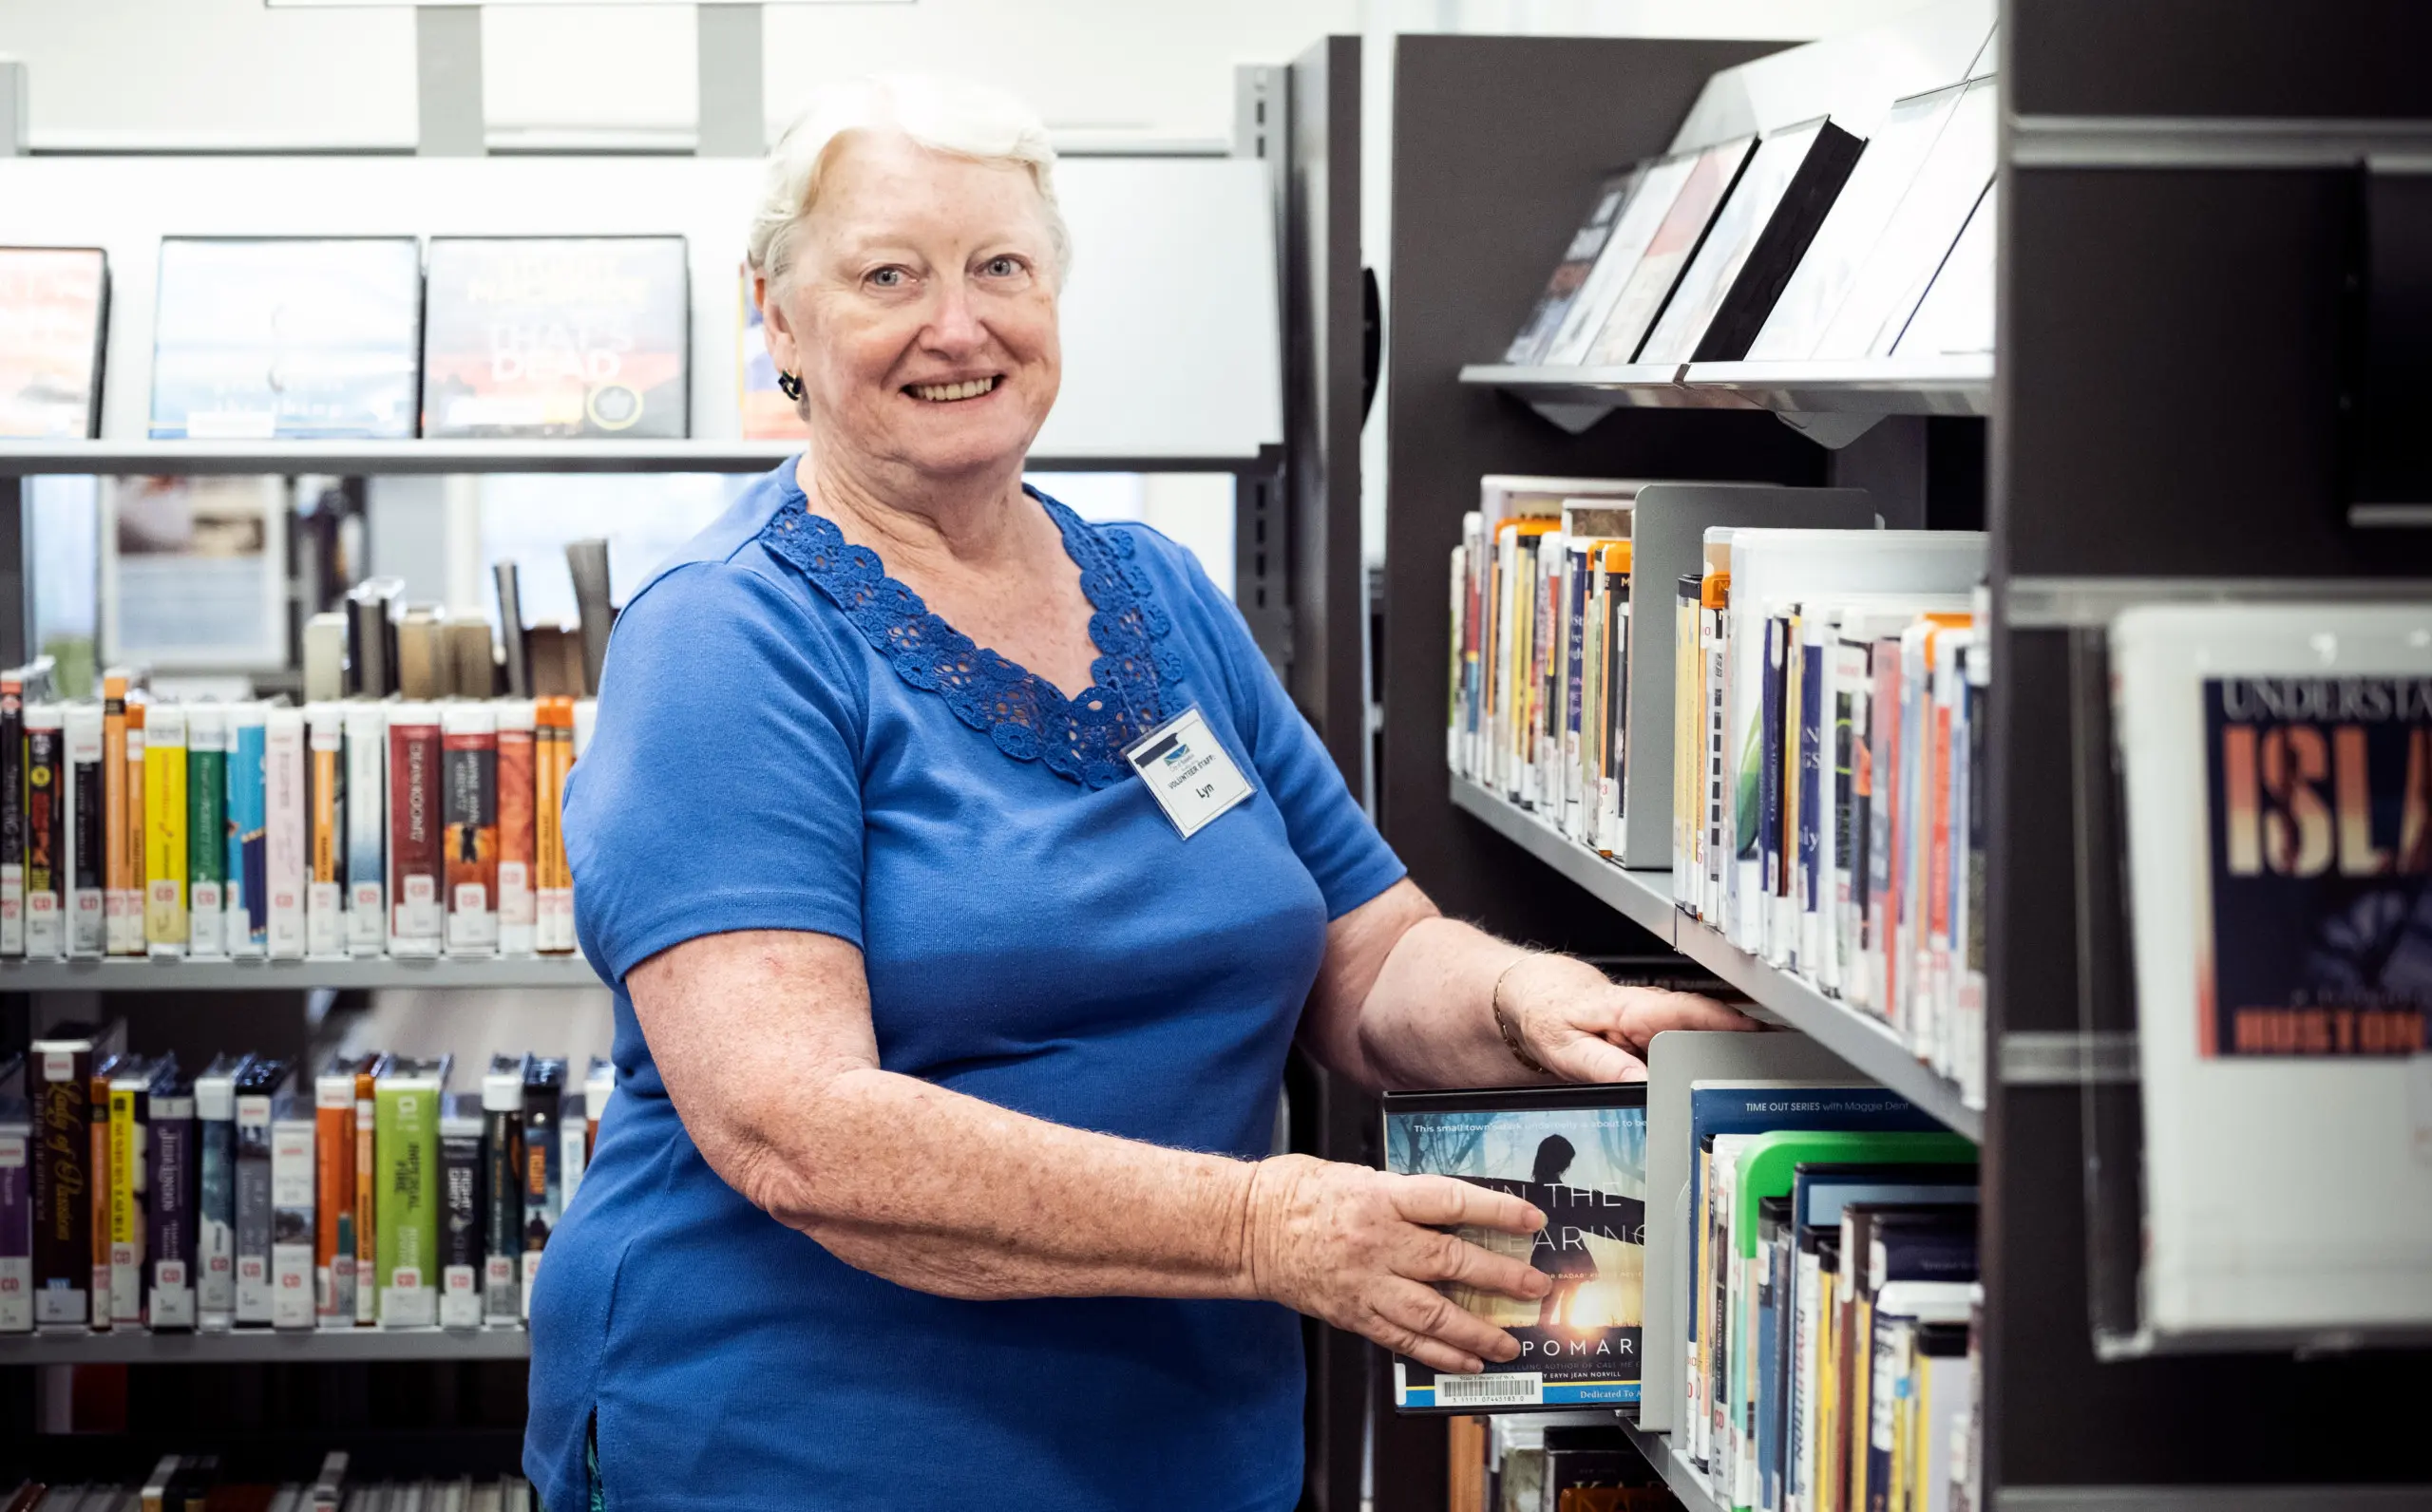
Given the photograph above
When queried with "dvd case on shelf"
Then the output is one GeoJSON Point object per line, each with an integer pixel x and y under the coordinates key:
{"type": "Point", "coordinates": [1669, 250]}
{"type": "Point", "coordinates": [261, 338]}
{"type": "Point", "coordinates": [1545, 319]}
{"type": "Point", "coordinates": [1754, 243]}
{"type": "Point", "coordinates": [54, 309]}
{"type": "Point", "coordinates": [557, 336]}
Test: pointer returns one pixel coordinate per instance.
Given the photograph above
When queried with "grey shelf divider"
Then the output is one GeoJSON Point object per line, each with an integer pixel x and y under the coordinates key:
{"type": "Point", "coordinates": [1644, 898]}
{"type": "Point", "coordinates": [139, 975]}
{"type": "Point", "coordinates": [263, 1346]}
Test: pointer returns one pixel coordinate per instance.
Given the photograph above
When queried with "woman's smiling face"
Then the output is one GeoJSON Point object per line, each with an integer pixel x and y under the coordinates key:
{"type": "Point", "coordinates": [921, 308]}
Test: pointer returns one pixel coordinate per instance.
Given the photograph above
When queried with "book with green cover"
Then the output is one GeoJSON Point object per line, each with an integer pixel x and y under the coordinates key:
{"type": "Point", "coordinates": [407, 1206]}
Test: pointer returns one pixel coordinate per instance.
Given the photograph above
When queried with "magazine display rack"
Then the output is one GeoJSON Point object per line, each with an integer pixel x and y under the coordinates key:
{"type": "Point", "coordinates": [2175, 203]}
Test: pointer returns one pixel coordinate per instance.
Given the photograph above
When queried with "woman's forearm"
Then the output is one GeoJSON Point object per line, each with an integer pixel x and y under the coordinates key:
{"type": "Point", "coordinates": [948, 1194]}
{"type": "Point", "coordinates": [1429, 1019]}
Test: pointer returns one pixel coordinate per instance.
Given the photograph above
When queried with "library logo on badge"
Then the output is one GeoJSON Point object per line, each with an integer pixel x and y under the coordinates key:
{"type": "Point", "coordinates": [1188, 771]}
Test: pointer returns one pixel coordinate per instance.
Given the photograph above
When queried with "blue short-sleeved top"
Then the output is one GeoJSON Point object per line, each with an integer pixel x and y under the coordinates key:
{"type": "Point", "coordinates": [787, 739]}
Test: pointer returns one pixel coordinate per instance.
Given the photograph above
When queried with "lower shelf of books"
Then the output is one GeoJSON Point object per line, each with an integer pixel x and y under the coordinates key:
{"type": "Point", "coordinates": [135, 973]}
{"type": "Point", "coordinates": [254, 1345]}
{"type": "Point", "coordinates": [1644, 898]}
{"type": "Point", "coordinates": [1686, 1479]}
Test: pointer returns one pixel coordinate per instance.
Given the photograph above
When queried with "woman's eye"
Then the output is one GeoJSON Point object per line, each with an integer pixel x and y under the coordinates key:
{"type": "Point", "coordinates": [888, 278]}
{"type": "Point", "coordinates": [1002, 266]}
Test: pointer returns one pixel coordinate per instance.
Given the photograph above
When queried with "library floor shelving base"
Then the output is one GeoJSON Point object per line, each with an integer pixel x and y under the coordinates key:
{"type": "Point", "coordinates": [261, 1346]}
{"type": "Point", "coordinates": [1644, 898]}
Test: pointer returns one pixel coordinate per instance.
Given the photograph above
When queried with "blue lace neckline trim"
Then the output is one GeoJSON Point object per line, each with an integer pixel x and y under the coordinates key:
{"type": "Point", "coordinates": [1028, 717]}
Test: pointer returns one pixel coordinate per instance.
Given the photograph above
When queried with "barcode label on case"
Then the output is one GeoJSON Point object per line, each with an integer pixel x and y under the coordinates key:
{"type": "Point", "coordinates": [1520, 1389]}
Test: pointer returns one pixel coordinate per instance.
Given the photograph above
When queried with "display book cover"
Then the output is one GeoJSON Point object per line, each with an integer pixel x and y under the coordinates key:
{"type": "Point", "coordinates": [557, 337]}
{"type": "Point", "coordinates": [1579, 1155]}
{"type": "Point", "coordinates": [1651, 284]}
{"type": "Point", "coordinates": [269, 337]}
{"type": "Point", "coordinates": [1570, 274]}
{"type": "Point", "coordinates": [54, 315]}
{"type": "Point", "coordinates": [1754, 243]}
{"type": "Point", "coordinates": [2276, 783]}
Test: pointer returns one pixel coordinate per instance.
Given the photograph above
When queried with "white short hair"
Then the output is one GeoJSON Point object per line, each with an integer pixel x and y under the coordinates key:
{"type": "Point", "coordinates": [943, 115]}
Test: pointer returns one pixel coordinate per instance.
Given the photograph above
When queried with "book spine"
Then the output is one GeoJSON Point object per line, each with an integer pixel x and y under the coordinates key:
{"type": "Point", "coordinates": [253, 1225]}
{"type": "Point", "coordinates": [120, 900]}
{"type": "Point", "coordinates": [366, 1184]}
{"type": "Point", "coordinates": [1453, 692]}
{"type": "Point", "coordinates": [86, 871]}
{"type": "Point", "coordinates": [326, 795]}
{"type": "Point", "coordinates": [284, 815]}
{"type": "Point", "coordinates": [503, 1238]}
{"type": "Point", "coordinates": [461, 1238]}
{"type": "Point", "coordinates": [469, 780]}
{"type": "Point", "coordinates": [541, 1155]}
{"type": "Point", "coordinates": [291, 1229]}
{"type": "Point", "coordinates": [248, 899]}
{"type": "Point", "coordinates": [129, 1193]}
{"type": "Point", "coordinates": [12, 817]}
{"type": "Point", "coordinates": [215, 1229]}
{"type": "Point", "coordinates": [1716, 638]}
{"type": "Point", "coordinates": [367, 830]}
{"type": "Point", "coordinates": [169, 1302]}
{"type": "Point", "coordinates": [97, 1160]}
{"type": "Point", "coordinates": [1970, 1006]}
{"type": "Point", "coordinates": [1813, 732]}
{"type": "Point", "coordinates": [1757, 885]}
{"type": "Point", "coordinates": [1576, 560]}
{"type": "Point", "coordinates": [417, 915]}
{"type": "Point", "coordinates": [206, 835]}
{"type": "Point", "coordinates": [165, 925]}
{"type": "Point", "coordinates": [16, 1226]}
{"type": "Point", "coordinates": [517, 911]}
{"type": "Point", "coordinates": [131, 839]}
{"type": "Point", "coordinates": [408, 1205]}
{"type": "Point", "coordinates": [46, 920]}
{"type": "Point", "coordinates": [553, 753]}
{"type": "Point", "coordinates": [333, 1285]}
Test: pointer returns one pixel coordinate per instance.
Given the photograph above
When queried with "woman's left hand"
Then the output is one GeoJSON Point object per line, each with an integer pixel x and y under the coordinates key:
{"type": "Point", "coordinates": [1582, 1028]}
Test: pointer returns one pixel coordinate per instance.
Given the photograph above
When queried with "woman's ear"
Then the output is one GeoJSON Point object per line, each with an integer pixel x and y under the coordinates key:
{"type": "Point", "coordinates": [776, 326]}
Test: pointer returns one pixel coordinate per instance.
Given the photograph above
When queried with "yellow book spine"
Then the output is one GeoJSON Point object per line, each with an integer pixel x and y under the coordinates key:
{"type": "Point", "coordinates": [166, 928]}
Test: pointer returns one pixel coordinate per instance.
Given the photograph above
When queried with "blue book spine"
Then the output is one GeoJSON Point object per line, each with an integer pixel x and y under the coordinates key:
{"type": "Point", "coordinates": [1812, 733]}
{"type": "Point", "coordinates": [1769, 771]}
{"type": "Point", "coordinates": [248, 898]}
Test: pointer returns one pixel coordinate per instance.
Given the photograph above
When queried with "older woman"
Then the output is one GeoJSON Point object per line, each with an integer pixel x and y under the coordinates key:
{"type": "Point", "coordinates": [947, 1053]}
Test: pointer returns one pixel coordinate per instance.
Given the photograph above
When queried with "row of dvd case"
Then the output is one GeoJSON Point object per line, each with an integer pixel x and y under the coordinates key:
{"type": "Point", "coordinates": [339, 829]}
{"type": "Point", "coordinates": [211, 1483]}
{"type": "Point", "coordinates": [257, 1194]}
{"type": "Point", "coordinates": [378, 337]}
{"type": "Point", "coordinates": [1804, 243]}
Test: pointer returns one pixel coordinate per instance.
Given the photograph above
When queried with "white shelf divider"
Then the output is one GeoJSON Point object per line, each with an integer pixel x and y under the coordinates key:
{"type": "Point", "coordinates": [1644, 898]}
{"type": "Point", "coordinates": [1684, 1479]}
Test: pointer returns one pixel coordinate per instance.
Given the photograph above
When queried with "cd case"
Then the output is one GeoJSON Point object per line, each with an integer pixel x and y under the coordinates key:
{"type": "Point", "coordinates": [1579, 1155]}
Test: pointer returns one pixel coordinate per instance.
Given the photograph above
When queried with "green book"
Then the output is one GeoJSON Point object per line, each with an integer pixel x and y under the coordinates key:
{"type": "Point", "coordinates": [206, 827]}
{"type": "Point", "coordinates": [1765, 1167]}
{"type": "Point", "coordinates": [407, 1206]}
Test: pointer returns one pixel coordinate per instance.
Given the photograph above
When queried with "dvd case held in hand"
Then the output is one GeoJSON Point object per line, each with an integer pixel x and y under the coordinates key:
{"type": "Point", "coordinates": [1578, 1155]}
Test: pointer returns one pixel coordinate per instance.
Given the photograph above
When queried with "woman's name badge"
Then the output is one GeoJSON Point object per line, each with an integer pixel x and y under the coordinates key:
{"type": "Point", "coordinates": [1188, 771]}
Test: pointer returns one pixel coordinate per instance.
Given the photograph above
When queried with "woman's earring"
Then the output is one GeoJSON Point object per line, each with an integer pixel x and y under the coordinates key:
{"type": "Point", "coordinates": [789, 385]}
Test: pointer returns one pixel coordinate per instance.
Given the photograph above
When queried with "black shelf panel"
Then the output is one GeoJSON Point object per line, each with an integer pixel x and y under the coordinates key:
{"type": "Point", "coordinates": [1645, 896]}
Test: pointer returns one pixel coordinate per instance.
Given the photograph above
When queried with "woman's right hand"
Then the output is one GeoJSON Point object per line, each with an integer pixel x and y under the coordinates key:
{"type": "Point", "coordinates": [1361, 1249]}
